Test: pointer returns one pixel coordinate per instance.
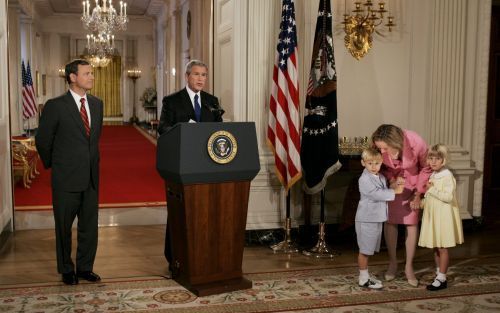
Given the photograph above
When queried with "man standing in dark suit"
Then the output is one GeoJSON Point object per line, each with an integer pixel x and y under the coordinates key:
{"type": "Point", "coordinates": [189, 105]}
{"type": "Point", "coordinates": [68, 142]}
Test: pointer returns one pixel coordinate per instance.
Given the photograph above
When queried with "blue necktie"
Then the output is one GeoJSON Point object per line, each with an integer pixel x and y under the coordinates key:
{"type": "Point", "coordinates": [197, 108]}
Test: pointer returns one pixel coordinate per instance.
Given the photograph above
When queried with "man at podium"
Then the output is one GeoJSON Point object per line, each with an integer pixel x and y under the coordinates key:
{"type": "Point", "coordinates": [189, 105]}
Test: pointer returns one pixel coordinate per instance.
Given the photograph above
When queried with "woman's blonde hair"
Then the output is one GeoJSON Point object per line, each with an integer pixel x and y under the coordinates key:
{"type": "Point", "coordinates": [390, 134]}
{"type": "Point", "coordinates": [440, 151]}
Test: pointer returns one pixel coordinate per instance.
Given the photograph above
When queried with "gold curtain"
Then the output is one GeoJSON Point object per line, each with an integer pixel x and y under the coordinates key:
{"type": "Point", "coordinates": [107, 86]}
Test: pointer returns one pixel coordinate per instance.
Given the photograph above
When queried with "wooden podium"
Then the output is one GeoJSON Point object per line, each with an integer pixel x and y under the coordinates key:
{"type": "Point", "coordinates": [207, 199]}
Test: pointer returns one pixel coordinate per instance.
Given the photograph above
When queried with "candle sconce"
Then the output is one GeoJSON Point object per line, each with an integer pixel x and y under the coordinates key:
{"type": "Point", "coordinates": [360, 24]}
{"type": "Point", "coordinates": [134, 74]}
{"type": "Point", "coordinates": [353, 145]}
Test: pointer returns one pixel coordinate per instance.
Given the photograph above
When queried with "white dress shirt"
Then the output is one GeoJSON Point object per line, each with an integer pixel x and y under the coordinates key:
{"type": "Point", "coordinates": [77, 98]}
{"type": "Point", "coordinates": [191, 96]}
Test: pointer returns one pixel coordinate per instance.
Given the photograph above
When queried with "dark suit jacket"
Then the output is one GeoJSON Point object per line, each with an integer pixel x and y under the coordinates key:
{"type": "Point", "coordinates": [178, 108]}
{"type": "Point", "coordinates": [64, 146]}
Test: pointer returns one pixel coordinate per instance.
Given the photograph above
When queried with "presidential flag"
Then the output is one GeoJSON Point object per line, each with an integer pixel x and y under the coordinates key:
{"type": "Point", "coordinates": [283, 132]}
{"type": "Point", "coordinates": [28, 100]}
{"type": "Point", "coordinates": [320, 152]}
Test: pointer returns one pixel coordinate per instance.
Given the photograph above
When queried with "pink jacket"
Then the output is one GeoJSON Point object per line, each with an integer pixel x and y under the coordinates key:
{"type": "Point", "coordinates": [413, 167]}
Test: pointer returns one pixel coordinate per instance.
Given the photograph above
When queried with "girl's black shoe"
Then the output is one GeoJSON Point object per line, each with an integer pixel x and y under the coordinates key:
{"type": "Point", "coordinates": [440, 285]}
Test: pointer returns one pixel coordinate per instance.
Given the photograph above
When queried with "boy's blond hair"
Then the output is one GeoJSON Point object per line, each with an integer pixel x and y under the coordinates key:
{"type": "Point", "coordinates": [370, 154]}
{"type": "Point", "coordinates": [441, 151]}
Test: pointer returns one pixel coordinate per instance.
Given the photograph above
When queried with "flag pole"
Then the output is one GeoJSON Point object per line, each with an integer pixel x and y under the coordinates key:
{"type": "Point", "coordinates": [319, 145]}
{"type": "Point", "coordinates": [287, 245]}
{"type": "Point", "coordinates": [321, 249]}
{"type": "Point", "coordinates": [283, 131]}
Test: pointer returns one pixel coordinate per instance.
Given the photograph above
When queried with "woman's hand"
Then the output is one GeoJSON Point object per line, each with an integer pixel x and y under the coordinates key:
{"type": "Point", "coordinates": [398, 185]}
{"type": "Point", "coordinates": [415, 203]}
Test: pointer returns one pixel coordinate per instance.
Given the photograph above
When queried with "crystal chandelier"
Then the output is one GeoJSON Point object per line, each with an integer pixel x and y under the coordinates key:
{"type": "Point", "coordinates": [360, 25]}
{"type": "Point", "coordinates": [96, 61]}
{"type": "Point", "coordinates": [101, 45]}
{"type": "Point", "coordinates": [104, 18]}
{"type": "Point", "coordinates": [100, 49]}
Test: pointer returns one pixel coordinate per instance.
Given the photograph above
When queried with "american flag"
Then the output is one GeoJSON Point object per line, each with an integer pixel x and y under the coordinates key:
{"type": "Point", "coordinates": [283, 132]}
{"type": "Point", "coordinates": [29, 100]}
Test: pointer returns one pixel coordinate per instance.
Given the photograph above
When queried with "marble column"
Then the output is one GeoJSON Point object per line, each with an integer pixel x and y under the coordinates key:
{"type": "Point", "coordinates": [447, 71]}
{"type": "Point", "coordinates": [267, 196]}
{"type": "Point", "coordinates": [451, 107]}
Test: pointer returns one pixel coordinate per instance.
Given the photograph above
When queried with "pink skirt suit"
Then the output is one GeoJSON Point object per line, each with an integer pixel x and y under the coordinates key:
{"type": "Point", "coordinates": [414, 169]}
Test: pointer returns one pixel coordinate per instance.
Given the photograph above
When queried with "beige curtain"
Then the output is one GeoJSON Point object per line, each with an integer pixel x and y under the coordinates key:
{"type": "Point", "coordinates": [107, 86]}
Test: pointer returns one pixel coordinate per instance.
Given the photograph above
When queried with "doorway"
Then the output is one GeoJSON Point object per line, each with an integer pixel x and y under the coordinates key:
{"type": "Point", "coordinates": [491, 182]}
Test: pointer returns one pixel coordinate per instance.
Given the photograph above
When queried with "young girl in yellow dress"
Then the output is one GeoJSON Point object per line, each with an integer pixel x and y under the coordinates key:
{"type": "Point", "coordinates": [441, 223]}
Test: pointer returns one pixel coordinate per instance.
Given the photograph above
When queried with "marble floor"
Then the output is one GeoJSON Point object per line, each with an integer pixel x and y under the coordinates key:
{"type": "Point", "coordinates": [28, 256]}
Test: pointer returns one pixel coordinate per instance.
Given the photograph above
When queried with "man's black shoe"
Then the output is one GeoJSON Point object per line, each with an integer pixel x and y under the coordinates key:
{"type": "Point", "coordinates": [173, 271]}
{"type": "Point", "coordinates": [89, 276]}
{"type": "Point", "coordinates": [70, 278]}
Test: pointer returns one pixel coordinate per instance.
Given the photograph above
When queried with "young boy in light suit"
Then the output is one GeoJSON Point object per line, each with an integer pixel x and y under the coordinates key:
{"type": "Point", "coordinates": [371, 213]}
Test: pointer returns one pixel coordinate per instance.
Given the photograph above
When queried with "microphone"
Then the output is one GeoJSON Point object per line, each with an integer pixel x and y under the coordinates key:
{"type": "Point", "coordinates": [216, 110]}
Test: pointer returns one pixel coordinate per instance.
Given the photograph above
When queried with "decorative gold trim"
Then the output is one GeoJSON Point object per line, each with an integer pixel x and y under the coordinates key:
{"type": "Point", "coordinates": [24, 159]}
{"type": "Point", "coordinates": [226, 148]}
{"type": "Point", "coordinates": [353, 145]}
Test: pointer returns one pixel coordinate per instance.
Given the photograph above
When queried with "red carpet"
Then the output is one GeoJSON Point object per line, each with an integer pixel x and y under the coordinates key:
{"type": "Point", "coordinates": [128, 174]}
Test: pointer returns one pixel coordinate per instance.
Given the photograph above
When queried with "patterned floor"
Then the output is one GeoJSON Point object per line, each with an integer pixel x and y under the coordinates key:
{"type": "Point", "coordinates": [474, 286]}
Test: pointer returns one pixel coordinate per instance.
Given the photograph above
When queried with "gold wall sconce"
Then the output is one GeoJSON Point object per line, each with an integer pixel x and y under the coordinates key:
{"type": "Point", "coordinates": [360, 25]}
{"type": "Point", "coordinates": [61, 72]}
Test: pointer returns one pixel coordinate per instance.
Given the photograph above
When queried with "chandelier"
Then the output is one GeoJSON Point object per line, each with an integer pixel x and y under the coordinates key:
{"type": "Point", "coordinates": [100, 49]}
{"type": "Point", "coordinates": [360, 25]}
{"type": "Point", "coordinates": [104, 18]}
{"type": "Point", "coordinates": [96, 61]}
{"type": "Point", "coordinates": [101, 45]}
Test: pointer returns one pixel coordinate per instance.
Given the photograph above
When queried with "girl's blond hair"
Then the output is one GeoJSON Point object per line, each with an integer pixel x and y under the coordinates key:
{"type": "Point", "coordinates": [439, 150]}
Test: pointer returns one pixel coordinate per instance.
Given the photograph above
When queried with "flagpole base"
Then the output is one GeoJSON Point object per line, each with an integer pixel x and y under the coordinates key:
{"type": "Point", "coordinates": [287, 245]}
{"type": "Point", "coordinates": [321, 250]}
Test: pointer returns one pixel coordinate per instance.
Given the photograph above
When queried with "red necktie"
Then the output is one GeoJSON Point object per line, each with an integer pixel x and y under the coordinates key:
{"type": "Point", "coordinates": [85, 117]}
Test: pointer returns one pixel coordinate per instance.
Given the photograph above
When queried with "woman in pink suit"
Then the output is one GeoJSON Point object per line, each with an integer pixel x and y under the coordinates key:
{"type": "Point", "coordinates": [404, 162]}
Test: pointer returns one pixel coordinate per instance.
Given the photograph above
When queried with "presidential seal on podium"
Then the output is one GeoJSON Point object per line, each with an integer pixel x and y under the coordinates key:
{"type": "Point", "coordinates": [222, 147]}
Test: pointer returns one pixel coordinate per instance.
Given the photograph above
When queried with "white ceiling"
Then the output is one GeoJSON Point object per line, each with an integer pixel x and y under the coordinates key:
{"type": "Point", "coordinates": [134, 7]}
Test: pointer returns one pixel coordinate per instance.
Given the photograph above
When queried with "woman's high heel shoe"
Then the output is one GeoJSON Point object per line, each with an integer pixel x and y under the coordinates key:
{"type": "Point", "coordinates": [388, 276]}
{"type": "Point", "coordinates": [413, 282]}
